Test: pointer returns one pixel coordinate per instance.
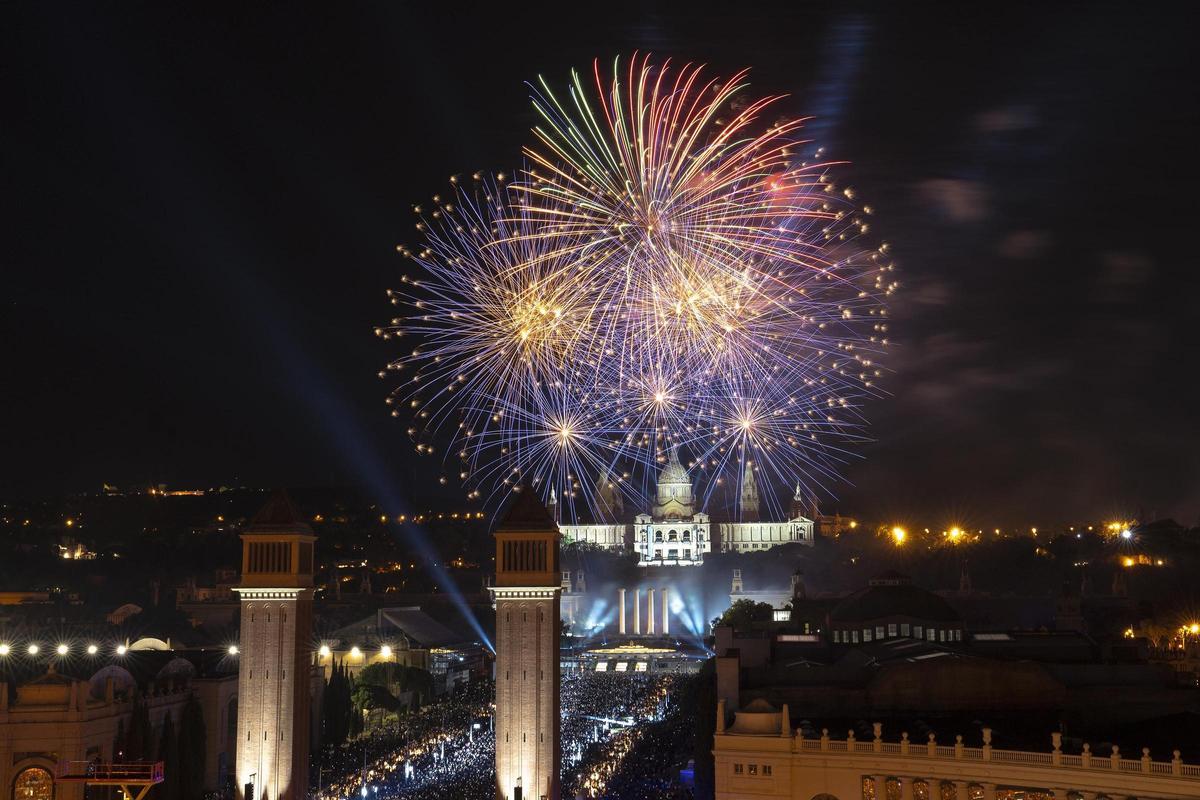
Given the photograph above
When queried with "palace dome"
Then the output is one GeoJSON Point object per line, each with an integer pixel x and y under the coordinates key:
{"type": "Point", "coordinates": [674, 472]}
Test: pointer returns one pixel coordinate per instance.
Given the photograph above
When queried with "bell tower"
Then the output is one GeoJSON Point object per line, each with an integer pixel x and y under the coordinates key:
{"type": "Point", "coordinates": [275, 651]}
{"type": "Point", "coordinates": [526, 593]}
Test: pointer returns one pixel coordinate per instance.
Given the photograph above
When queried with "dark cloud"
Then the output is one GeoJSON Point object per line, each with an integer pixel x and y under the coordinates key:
{"type": "Point", "coordinates": [1025, 244]}
{"type": "Point", "coordinates": [957, 199]}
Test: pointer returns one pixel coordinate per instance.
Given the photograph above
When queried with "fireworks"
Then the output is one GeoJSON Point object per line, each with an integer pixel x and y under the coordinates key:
{"type": "Point", "coordinates": [670, 269]}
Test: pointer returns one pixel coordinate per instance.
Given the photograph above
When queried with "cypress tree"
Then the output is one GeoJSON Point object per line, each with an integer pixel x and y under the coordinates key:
{"type": "Point", "coordinates": [193, 753]}
{"type": "Point", "coordinates": [138, 746]}
{"type": "Point", "coordinates": [168, 753]}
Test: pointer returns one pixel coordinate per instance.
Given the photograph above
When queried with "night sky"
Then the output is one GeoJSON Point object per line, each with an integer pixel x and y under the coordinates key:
{"type": "Point", "coordinates": [203, 208]}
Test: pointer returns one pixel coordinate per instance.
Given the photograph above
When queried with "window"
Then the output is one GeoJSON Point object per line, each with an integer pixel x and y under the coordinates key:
{"type": "Point", "coordinates": [891, 629]}
{"type": "Point", "coordinates": [931, 634]}
{"type": "Point", "coordinates": [855, 634]}
{"type": "Point", "coordinates": [878, 631]}
{"type": "Point", "coordinates": [33, 783]}
{"type": "Point", "coordinates": [753, 769]}
{"type": "Point", "coordinates": [918, 632]}
{"type": "Point", "coordinates": [737, 769]}
{"type": "Point", "coordinates": [837, 637]}
{"type": "Point", "coordinates": [904, 629]}
{"type": "Point", "coordinates": [958, 635]}
{"type": "Point", "coordinates": [766, 769]}
{"type": "Point", "coordinates": [866, 634]}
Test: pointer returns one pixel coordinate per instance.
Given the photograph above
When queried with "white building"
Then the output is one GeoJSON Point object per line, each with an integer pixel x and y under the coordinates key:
{"type": "Point", "coordinates": [674, 533]}
{"type": "Point", "coordinates": [762, 756]}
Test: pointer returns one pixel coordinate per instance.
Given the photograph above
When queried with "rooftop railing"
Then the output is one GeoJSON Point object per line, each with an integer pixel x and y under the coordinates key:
{"type": "Point", "coordinates": [930, 749]}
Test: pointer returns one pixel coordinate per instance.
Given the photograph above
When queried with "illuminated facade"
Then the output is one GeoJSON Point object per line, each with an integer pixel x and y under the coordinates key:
{"type": "Point", "coordinates": [273, 678]}
{"type": "Point", "coordinates": [762, 756]}
{"type": "Point", "coordinates": [55, 720]}
{"type": "Point", "coordinates": [674, 533]}
{"type": "Point", "coordinates": [526, 593]}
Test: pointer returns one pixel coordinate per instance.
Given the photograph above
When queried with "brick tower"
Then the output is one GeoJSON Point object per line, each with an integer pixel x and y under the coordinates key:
{"type": "Point", "coordinates": [527, 589]}
{"type": "Point", "coordinates": [275, 653]}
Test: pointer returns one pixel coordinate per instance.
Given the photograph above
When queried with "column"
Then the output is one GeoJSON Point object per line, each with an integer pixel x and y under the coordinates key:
{"type": "Point", "coordinates": [666, 626]}
{"type": "Point", "coordinates": [989, 791]}
{"type": "Point", "coordinates": [637, 612]}
{"type": "Point", "coordinates": [880, 787]}
{"type": "Point", "coordinates": [650, 611]}
{"type": "Point", "coordinates": [621, 611]}
{"type": "Point", "coordinates": [960, 790]}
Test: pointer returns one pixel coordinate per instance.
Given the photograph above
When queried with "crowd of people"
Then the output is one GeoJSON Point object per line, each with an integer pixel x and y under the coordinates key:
{"type": "Point", "coordinates": [620, 736]}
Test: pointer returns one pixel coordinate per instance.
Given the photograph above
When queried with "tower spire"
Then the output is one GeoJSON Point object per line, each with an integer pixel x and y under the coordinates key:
{"type": "Point", "coordinates": [748, 505]}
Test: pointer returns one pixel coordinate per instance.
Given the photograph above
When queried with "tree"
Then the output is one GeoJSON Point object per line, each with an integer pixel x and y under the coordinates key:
{"type": "Point", "coordinates": [192, 750]}
{"type": "Point", "coordinates": [137, 745]}
{"type": "Point", "coordinates": [119, 741]}
{"type": "Point", "coordinates": [743, 614]}
{"type": "Point", "coordinates": [336, 707]}
{"type": "Point", "coordinates": [168, 753]}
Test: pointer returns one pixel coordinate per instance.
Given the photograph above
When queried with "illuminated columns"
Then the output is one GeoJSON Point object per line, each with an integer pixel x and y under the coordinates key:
{"type": "Point", "coordinates": [666, 626]}
{"type": "Point", "coordinates": [650, 611]}
{"type": "Point", "coordinates": [621, 612]}
{"type": "Point", "coordinates": [637, 612]}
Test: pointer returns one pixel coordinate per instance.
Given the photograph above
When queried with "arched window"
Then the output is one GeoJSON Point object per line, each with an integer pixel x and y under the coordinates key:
{"type": "Point", "coordinates": [920, 790]}
{"type": "Point", "coordinates": [33, 783]}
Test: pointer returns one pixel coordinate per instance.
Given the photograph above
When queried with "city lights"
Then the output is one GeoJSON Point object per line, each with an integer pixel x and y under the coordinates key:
{"type": "Point", "coordinates": [62, 649]}
{"type": "Point", "coordinates": [92, 649]}
{"type": "Point", "coordinates": [899, 535]}
{"type": "Point", "coordinates": [385, 651]}
{"type": "Point", "coordinates": [5, 649]}
{"type": "Point", "coordinates": [122, 649]}
{"type": "Point", "coordinates": [323, 652]}
{"type": "Point", "coordinates": [32, 649]}
{"type": "Point", "coordinates": [355, 652]}
{"type": "Point", "coordinates": [233, 650]}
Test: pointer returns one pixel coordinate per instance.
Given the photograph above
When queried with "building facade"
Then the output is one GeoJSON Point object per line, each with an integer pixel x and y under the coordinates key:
{"type": "Point", "coordinates": [675, 533]}
{"type": "Point", "coordinates": [56, 719]}
{"type": "Point", "coordinates": [526, 594]}
{"type": "Point", "coordinates": [762, 756]}
{"type": "Point", "coordinates": [276, 653]}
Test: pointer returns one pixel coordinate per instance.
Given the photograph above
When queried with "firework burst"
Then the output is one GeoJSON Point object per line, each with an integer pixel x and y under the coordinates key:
{"type": "Point", "coordinates": [669, 269]}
